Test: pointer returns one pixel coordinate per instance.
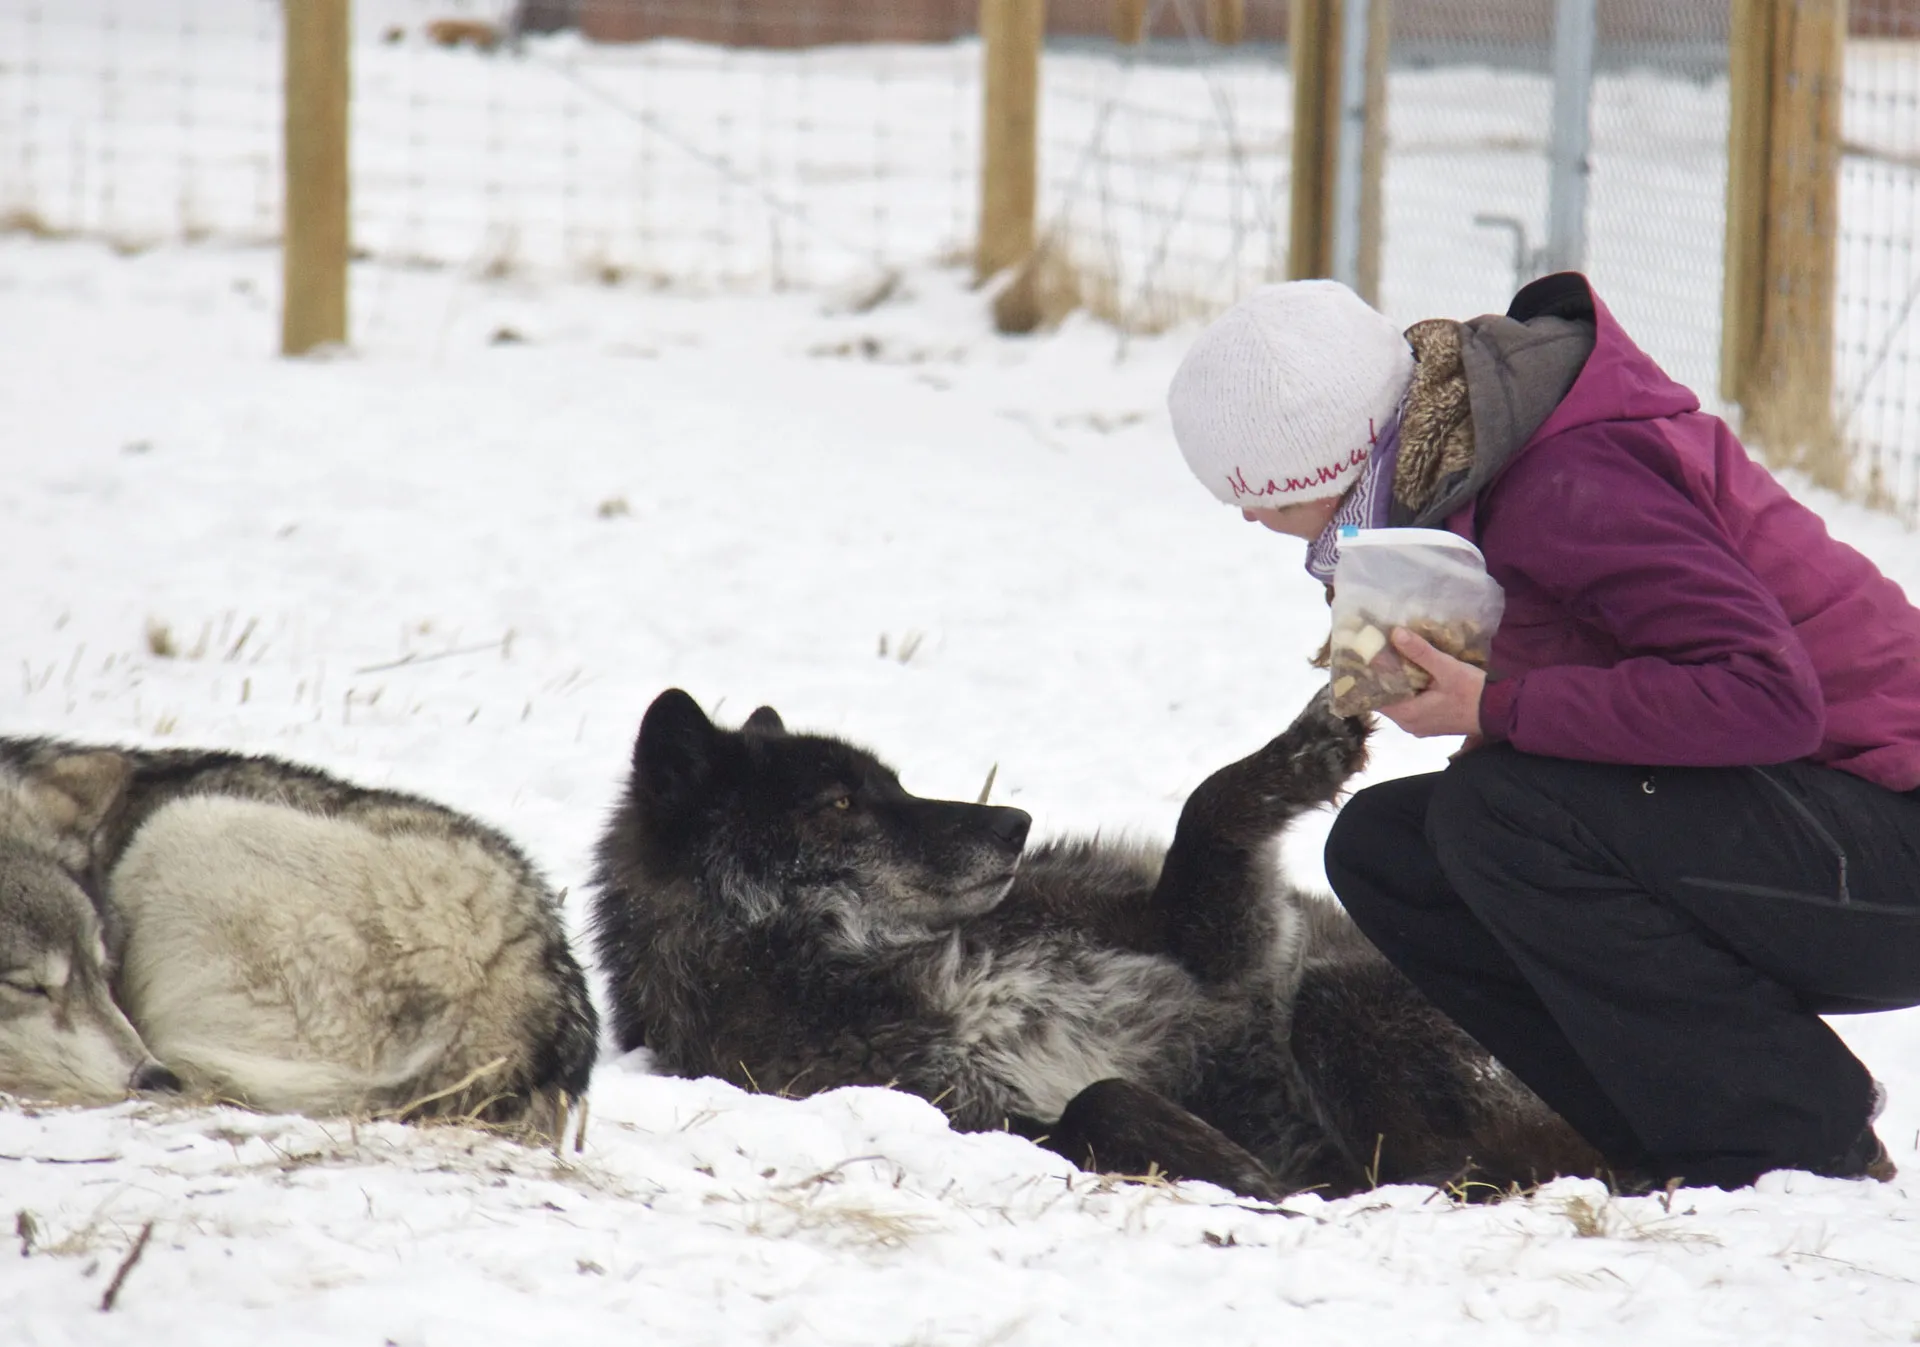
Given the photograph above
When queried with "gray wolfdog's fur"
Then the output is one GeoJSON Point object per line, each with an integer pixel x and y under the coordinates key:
{"type": "Point", "coordinates": [774, 909]}
{"type": "Point", "coordinates": [275, 936]}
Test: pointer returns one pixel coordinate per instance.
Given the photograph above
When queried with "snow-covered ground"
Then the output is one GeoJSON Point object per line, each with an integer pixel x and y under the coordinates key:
{"type": "Point", "coordinates": [961, 550]}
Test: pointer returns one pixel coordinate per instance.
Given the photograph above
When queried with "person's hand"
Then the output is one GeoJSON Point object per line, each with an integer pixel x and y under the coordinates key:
{"type": "Point", "coordinates": [1451, 703]}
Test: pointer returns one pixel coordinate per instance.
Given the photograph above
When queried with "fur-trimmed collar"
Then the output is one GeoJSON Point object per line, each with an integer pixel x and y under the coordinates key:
{"type": "Point", "coordinates": [1480, 389]}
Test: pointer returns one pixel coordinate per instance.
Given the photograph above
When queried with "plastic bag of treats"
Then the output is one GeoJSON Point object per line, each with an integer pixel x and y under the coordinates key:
{"type": "Point", "coordinates": [1433, 583]}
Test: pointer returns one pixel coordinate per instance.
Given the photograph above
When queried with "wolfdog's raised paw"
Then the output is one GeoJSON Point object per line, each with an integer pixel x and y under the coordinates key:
{"type": "Point", "coordinates": [1305, 766]}
{"type": "Point", "coordinates": [1318, 753]}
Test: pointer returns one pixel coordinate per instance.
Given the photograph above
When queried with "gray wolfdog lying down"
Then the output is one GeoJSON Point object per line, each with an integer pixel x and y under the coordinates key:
{"type": "Point", "coordinates": [254, 930]}
{"type": "Point", "coordinates": [775, 910]}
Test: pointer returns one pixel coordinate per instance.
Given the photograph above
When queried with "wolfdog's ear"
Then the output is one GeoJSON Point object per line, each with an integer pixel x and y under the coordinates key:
{"type": "Point", "coordinates": [766, 721]}
{"type": "Point", "coordinates": [674, 756]}
{"type": "Point", "coordinates": [73, 792]}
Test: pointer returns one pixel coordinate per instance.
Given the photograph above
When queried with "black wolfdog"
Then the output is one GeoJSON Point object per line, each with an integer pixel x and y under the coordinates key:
{"type": "Point", "coordinates": [774, 909]}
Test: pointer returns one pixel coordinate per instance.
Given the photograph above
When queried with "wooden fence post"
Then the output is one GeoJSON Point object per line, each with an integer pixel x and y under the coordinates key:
{"type": "Point", "coordinates": [1011, 31]}
{"type": "Point", "coordinates": [1129, 21]}
{"type": "Point", "coordinates": [315, 233]}
{"type": "Point", "coordinates": [1227, 21]}
{"type": "Point", "coordinates": [1313, 35]}
{"type": "Point", "coordinates": [1783, 180]}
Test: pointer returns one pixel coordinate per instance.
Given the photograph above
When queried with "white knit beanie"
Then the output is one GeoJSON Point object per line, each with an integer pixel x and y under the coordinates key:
{"type": "Point", "coordinates": [1281, 397]}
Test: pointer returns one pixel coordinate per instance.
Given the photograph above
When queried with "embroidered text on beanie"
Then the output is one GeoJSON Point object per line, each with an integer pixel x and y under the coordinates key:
{"type": "Point", "coordinates": [1280, 399]}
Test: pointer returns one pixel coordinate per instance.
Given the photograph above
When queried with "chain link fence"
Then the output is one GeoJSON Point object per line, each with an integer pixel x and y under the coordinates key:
{"type": "Point", "coordinates": [1471, 99]}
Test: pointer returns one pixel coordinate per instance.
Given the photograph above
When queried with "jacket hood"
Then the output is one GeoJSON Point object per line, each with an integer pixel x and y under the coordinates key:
{"type": "Point", "coordinates": [1556, 360]}
{"type": "Point", "coordinates": [1482, 388]}
{"type": "Point", "coordinates": [1615, 381]}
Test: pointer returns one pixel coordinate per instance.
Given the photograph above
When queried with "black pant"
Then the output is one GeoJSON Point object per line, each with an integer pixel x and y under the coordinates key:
{"type": "Point", "coordinates": [1651, 949]}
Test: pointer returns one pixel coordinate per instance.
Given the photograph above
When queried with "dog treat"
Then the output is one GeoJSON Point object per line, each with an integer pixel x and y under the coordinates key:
{"type": "Point", "coordinates": [1368, 673]}
{"type": "Point", "coordinates": [1429, 581]}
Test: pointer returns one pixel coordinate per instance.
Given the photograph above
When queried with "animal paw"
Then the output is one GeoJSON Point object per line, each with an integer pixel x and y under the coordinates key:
{"type": "Point", "coordinates": [1306, 766]}
{"type": "Point", "coordinates": [1320, 751]}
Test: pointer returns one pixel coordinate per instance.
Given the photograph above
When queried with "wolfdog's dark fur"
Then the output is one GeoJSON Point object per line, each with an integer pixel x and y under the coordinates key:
{"type": "Point", "coordinates": [774, 909]}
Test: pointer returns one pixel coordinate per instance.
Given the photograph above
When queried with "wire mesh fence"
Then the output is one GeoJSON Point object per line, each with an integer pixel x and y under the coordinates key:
{"type": "Point", "coordinates": [752, 143]}
{"type": "Point", "coordinates": [1657, 198]}
{"type": "Point", "coordinates": [630, 146]}
{"type": "Point", "coordinates": [479, 144]}
{"type": "Point", "coordinates": [1877, 351]}
{"type": "Point", "coordinates": [1166, 162]}
{"type": "Point", "coordinates": [1168, 168]}
{"type": "Point", "coordinates": [140, 122]}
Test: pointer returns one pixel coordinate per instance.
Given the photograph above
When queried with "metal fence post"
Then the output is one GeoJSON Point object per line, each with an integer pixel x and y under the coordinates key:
{"type": "Point", "coordinates": [1011, 34]}
{"type": "Point", "coordinates": [1352, 132]}
{"type": "Point", "coordinates": [1373, 151]}
{"type": "Point", "coordinates": [315, 233]}
{"type": "Point", "coordinates": [1339, 140]}
{"type": "Point", "coordinates": [1573, 39]}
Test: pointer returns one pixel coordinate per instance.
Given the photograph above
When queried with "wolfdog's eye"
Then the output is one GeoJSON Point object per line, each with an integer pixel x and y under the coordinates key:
{"type": "Point", "coordinates": [23, 986]}
{"type": "Point", "coordinates": [843, 802]}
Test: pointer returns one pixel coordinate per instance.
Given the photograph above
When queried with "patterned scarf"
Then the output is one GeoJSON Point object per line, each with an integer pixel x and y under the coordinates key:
{"type": "Point", "coordinates": [1426, 451]}
{"type": "Point", "coordinates": [1437, 439]}
{"type": "Point", "coordinates": [1366, 504]}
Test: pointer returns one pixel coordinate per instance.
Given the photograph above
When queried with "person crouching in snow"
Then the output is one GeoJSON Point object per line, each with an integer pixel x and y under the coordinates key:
{"type": "Point", "coordinates": [1685, 824]}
